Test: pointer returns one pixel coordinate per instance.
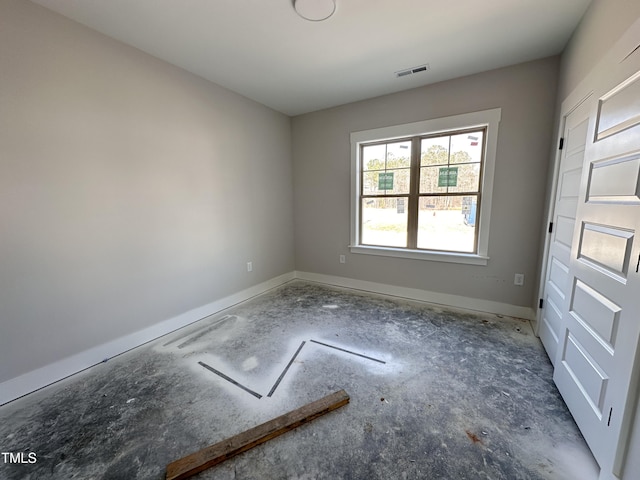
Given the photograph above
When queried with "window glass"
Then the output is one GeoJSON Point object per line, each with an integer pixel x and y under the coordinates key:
{"type": "Point", "coordinates": [467, 147]}
{"type": "Point", "coordinates": [384, 222]}
{"type": "Point", "coordinates": [373, 157]}
{"type": "Point", "coordinates": [399, 154]}
{"type": "Point", "coordinates": [468, 178]}
{"type": "Point", "coordinates": [432, 179]}
{"type": "Point", "coordinates": [434, 151]}
{"type": "Point", "coordinates": [447, 223]}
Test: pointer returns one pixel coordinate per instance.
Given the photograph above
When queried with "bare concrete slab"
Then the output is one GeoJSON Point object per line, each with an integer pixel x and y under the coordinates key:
{"type": "Point", "coordinates": [434, 394]}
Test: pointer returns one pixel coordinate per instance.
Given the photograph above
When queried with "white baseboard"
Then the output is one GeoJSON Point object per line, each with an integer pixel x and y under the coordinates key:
{"type": "Point", "coordinates": [42, 377]}
{"type": "Point", "coordinates": [443, 299]}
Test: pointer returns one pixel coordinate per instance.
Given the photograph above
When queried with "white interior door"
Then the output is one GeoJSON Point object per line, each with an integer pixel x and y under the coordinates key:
{"type": "Point", "coordinates": [601, 320]}
{"type": "Point", "coordinates": [557, 283]}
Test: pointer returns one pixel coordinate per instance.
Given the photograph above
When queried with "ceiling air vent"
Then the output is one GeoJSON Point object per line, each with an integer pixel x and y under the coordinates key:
{"type": "Point", "coordinates": [412, 70]}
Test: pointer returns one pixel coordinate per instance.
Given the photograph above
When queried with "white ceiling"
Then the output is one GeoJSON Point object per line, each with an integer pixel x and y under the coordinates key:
{"type": "Point", "coordinates": [263, 50]}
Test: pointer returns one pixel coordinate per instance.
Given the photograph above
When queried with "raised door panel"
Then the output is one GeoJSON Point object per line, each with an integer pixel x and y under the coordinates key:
{"type": "Point", "coordinates": [619, 109]}
{"type": "Point", "coordinates": [615, 180]}
{"type": "Point", "coordinates": [606, 248]}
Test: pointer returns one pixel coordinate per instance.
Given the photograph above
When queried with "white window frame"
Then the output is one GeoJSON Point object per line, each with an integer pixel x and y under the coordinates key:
{"type": "Point", "coordinates": [485, 118]}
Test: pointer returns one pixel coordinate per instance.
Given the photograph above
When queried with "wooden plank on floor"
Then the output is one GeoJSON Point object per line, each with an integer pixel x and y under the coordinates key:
{"type": "Point", "coordinates": [221, 451]}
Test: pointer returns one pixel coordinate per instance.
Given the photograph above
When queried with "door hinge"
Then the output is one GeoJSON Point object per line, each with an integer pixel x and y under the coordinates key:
{"type": "Point", "coordinates": [561, 145]}
{"type": "Point", "coordinates": [609, 421]}
{"type": "Point", "coordinates": [550, 227]}
{"type": "Point", "coordinates": [541, 303]}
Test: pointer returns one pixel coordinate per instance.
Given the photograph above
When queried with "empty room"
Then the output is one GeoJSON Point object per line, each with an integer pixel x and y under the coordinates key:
{"type": "Point", "coordinates": [319, 239]}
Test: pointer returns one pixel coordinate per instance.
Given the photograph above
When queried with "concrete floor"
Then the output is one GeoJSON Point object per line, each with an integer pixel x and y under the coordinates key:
{"type": "Point", "coordinates": [459, 396]}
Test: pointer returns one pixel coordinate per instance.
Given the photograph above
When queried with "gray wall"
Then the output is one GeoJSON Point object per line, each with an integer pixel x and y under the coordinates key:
{"type": "Point", "coordinates": [321, 152]}
{"type": "Point", "coordinates": [602, 25]}
{"type": "Point", "coordinates": [130, 190]}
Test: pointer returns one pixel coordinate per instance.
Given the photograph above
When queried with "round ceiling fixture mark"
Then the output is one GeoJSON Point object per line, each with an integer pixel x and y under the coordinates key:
{"type": "Point", "coordinates": [315, 10]}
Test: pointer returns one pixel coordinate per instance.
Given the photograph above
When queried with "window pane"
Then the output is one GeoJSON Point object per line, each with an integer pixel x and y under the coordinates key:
{"type": "Point", "coordinates": [468, 178]}
{"type": "Point", "coordinates": [466, 147]}
{"type": "Point", "coordinates": [432, 179]}
{"type": "Point", "coordinates": [399, 154]}
{"type": "Point", "coordinates": [386, 156]}
{"type": "Point", "coordinates": [447, 223]}
{"type": "Point", "coordinates": [373, 157]}
{"type": "Point", "coordinates": [386, 182]}
{"type": "Point", "coordinates": [434, 151]}
{"type": "Point", "coordinates": [384, 222]}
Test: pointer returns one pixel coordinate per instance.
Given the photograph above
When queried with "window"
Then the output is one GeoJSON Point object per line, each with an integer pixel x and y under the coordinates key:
{"type": "Point", "coordinates": [423, 190]}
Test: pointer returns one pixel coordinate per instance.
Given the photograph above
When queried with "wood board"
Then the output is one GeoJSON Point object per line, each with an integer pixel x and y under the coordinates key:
{"type": "Point", "coordinates": [221, 451]}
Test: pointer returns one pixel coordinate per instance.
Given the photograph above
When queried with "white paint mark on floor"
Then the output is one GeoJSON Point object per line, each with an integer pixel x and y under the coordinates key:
{"type": "Point", "coordinates": [250, 363]}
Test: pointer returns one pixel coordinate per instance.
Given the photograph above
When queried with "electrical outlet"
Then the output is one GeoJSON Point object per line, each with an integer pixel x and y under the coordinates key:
{"type": "Point", "coordinates": [343, 259]}
{"type": "Point", "coordinates": [518, 279]}
{"type": "Point", "coordinates": [249, 266]}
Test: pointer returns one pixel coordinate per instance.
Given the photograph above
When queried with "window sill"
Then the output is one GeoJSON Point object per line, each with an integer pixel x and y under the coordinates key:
{"type": "Point", "coordinates": [447, 257]}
